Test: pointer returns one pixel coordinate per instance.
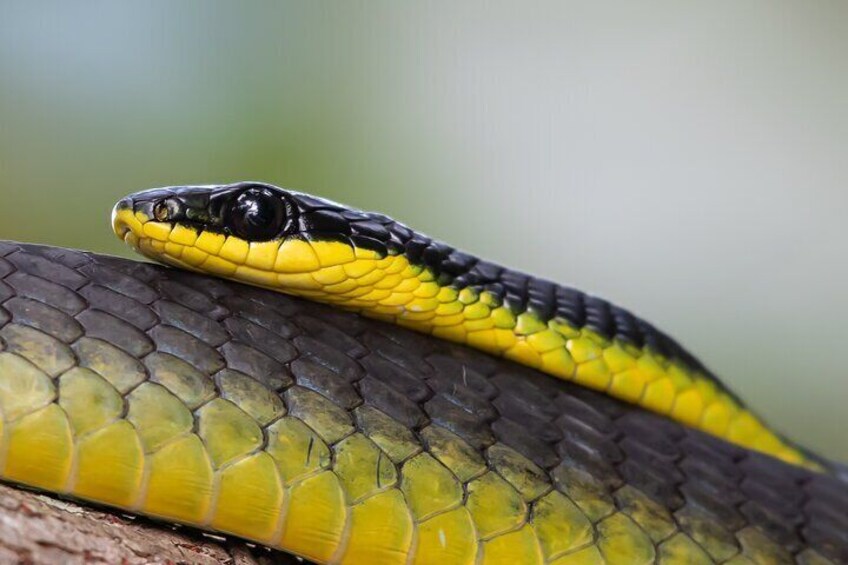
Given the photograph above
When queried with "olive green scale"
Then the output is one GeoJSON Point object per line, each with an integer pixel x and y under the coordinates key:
{"type": "Point", "coordinates": [341, 439]}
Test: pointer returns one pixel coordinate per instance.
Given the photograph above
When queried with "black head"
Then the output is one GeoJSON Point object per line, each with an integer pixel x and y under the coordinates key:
{"type": "Point", "coordinates": [248, 210]}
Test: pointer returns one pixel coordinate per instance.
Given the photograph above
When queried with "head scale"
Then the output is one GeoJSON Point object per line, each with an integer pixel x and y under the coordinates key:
{"type": "Point", "coordinates": [250, 211]}
{"type": "Point", "coordinates": [254, 232]}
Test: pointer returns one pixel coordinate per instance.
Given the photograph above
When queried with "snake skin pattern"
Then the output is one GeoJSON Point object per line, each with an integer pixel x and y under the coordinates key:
{"type": "Point", "coordinates": [338, 438]}
{"type": "Point", "coordinates": [368, 263]}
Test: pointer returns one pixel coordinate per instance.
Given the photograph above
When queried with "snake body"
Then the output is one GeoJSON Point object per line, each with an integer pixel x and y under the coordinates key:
{"type": "Point", "coordinates": [339, 438]}
{"type": "Point", "coordinates": [369, 263]}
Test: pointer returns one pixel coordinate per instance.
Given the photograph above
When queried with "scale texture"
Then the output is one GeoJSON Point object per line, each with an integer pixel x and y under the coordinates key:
{"type": "Point", "coordinates": [342, 439]}
{"type": "Point", "coordinates": [371, 264]}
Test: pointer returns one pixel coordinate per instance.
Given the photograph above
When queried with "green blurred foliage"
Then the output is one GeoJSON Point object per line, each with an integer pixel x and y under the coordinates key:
{"type": "Point", "coordinates": [684, 160]}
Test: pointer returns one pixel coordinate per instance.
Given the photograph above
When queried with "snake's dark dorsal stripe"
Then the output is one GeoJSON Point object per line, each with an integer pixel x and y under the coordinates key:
{"type": "Point", "coordinates": [369, 263]}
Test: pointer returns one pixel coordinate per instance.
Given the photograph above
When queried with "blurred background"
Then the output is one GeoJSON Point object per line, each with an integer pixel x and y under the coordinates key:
{"type": "Point", "coordinates": [687, 160]}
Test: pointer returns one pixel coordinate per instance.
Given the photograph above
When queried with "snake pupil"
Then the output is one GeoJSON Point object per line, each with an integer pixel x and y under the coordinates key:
{"type": "Point", "coordinates": [256, 214]}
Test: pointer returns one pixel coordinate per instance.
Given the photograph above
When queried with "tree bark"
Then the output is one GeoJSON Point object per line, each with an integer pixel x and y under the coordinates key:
{"type": "Point", "coordinates": [36, 528]}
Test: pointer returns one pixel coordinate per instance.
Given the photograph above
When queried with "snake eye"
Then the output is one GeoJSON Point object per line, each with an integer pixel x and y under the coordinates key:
{"type": "Point", "coordinates": [257, 214]}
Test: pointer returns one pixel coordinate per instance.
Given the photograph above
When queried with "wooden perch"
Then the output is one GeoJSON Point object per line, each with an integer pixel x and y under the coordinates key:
{"type": "Point", "coordinates": [36, 528]}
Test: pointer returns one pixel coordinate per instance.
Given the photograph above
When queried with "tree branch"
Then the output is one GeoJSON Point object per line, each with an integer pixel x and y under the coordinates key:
{"type": "Point", "coordinates": [35, 528]}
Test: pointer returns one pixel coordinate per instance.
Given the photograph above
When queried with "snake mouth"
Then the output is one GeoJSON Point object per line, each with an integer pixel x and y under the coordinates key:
{"type": "Point", "coordinates": [160, 241]}
{"type": "Point", "coordinates": [129, 226]}
{"type": "Point", "coordinates": [122, 218]}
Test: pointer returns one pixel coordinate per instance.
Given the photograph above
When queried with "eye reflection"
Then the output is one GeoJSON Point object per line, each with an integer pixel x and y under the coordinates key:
{"type": "Point", "coordinates": [257, 215]}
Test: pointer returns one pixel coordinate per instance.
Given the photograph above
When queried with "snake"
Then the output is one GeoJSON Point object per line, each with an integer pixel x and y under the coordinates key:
{"type": "Point", "coordinates": [333, 384]}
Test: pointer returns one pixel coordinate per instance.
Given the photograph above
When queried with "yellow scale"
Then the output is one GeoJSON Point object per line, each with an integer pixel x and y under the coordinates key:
{"type": "Point", "coordinates": [379, 498]}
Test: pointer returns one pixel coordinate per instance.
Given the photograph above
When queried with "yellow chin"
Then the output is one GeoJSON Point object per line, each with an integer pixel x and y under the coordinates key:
{"type": "Point", "coordinates": [125, 222]}
{"type": "Point", "coordinates": [291, 265]}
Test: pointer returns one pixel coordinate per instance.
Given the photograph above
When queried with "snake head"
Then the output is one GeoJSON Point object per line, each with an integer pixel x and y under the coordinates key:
{"type": "Point", "coordinates": [256, 233]}
{"type": "Point", "coordinates": [252, 211]}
